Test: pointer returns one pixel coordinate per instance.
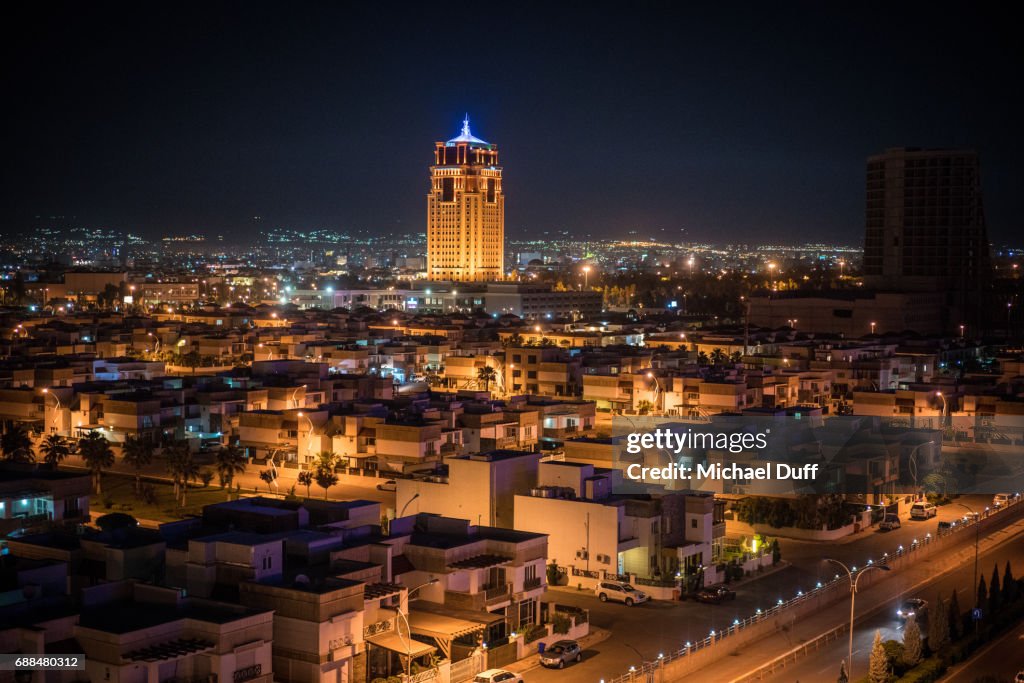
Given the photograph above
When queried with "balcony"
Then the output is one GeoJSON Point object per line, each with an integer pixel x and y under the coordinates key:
{"type": "Point", "coordinates": [530, 584]}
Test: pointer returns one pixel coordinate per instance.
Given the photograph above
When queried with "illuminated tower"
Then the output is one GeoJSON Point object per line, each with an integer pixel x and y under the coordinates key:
{"type": "Point", "coordinates": [465, 211]}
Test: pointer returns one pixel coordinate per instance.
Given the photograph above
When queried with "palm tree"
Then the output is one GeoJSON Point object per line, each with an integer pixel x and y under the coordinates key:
{"type": "Point", "coordinates": [267, 476]}
{"type": "Point", "coordinates": [718, 356]}
{"type": "Point", "coordinates": [324, 473]}
{"type": "Point", "coordinates": [54, 450]}
{"type": "Point", "coordinates": [97, 454]}
{"type": "Point", "coordinates": [305, 478]}
{"type": "Point", "coordinates": [182, 467]}
{"type": "Point", "coordinates": [702, 358]}
{"type": "Point", "coordinates": [137, 452]}
{"type": "Point", "coordinates": [16, 444]}
{"type": "Point", "coordinates": [230, 461]}
{"type": "Point", "coordinates": [486, 374]}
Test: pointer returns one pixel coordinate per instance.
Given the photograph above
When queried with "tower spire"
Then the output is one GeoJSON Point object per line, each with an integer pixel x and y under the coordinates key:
{"type": "Point", "coordinates": [465, 126]}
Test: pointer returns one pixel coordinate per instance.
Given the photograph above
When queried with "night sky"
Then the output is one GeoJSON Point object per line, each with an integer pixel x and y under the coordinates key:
{"type": "Point", "coordinates": [743, 123]}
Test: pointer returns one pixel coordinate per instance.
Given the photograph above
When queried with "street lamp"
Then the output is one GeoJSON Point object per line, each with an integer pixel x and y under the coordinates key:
{"type": "Point", "coordinates": [913, 460]}
{"type": "Point", "coordinates": [657, 387]}
{"type": "Point", "coordinates": [309, 448]}
{"type": "Point", "coordinates": [294, 400]}
{"type": "Point", "coordinates": [55, 410]}
{"type": "Point", "coordinates": [873, 323]}
{"type": "Point", "coordinates": [407, 641]}
{"type": "Point", "coordinates": [977, 532]}
{"type": "Point", "coordinates": [853, 598]}
{"type": "Point", "coordinates": [771, 271]}
{"type": "Point", "coordinates": [945, 408]}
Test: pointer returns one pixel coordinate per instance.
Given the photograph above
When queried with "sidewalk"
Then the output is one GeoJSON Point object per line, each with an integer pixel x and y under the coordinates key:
{"type": "Point", "coordinates": [878, 596]}
{"type": "Point", "coordinates": [596, 635]}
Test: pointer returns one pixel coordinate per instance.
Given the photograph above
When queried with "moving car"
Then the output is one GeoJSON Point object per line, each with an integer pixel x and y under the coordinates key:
{"type": "Point", "coordinates": [923, 510]}
{"type": "Point", "coordinates": [619, 591]}
{"type": "Point", "coordinates": [389, 485]}
{"type": "Point", "coordinates": [1001, 500]}
{"type": "Point", "coordinates": [890, 522]}
{"type": "Point", "coordinates": [497, 676]}
{"type": "Point", "coordinates": [714, 594]}
{"type": "Point", "coordinates": [558, 653]}
{"type": "Point", "coordinates": [912, 608]}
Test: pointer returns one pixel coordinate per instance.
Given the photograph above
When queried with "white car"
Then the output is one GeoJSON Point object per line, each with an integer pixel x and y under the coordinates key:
{"type": "Point", "coordinates": [619, 591]}
{"type": "Point", "coordinates": [497, 676]}
{"type": "Point", "coordinates": [1001, 500]}
{"type": "Point", "coordinates": [923, 510]}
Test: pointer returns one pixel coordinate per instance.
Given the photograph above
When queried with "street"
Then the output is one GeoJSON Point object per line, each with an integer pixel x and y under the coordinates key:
{"type": "Point", "coordinates": [824, 664]}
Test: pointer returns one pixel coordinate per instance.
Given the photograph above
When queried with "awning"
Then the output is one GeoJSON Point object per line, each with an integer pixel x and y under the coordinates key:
{"type": "Point", "coordinates": [442, 628]}
{"type": "Point", "coordinates": [403, 645]}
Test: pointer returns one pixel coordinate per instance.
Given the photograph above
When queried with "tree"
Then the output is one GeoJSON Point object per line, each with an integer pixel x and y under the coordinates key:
{"type": "Point", "coordinates": [206, 476]}
{"type": "Point", "coordinates": [305, 478]}
{"type": "Point", "coordinates": [486, 374]}
{"type": "Point", "coordinates": [54, 450]}
{"type": "Point", "coordinates": [844, 677]}
{"type": "Point", "coordinates": [982, 594]}
{"type": "Point", "coordinates": [994, 591]}
{"type": "Point", "coordinates": [718, 356]}
{"type": "Point", "coordinates": [229, 461]}
{"type": "Point", "coordinates": [938, 625]}
{"type": "Point", "coordinates": [878, 667]}
{"type": "Point", "coordinates": [137, 452]}
{"type": "Point", "coordinates": [268, 477]}
{"type": "Point", "coordinates": [702, 359]}
{"type": "Point", "coordinates": [183, 469]}
{"type": "Point", "coordinates": [776, 551]}
{"type": "Point", "coordinates": [97, 454]}
{"type": "Point", "coordinates": [911, 642]}
{"type": "Point", "coordinates": [1009, 585]}
{"type": "Point", "coordinates": [956, 618]}
{"type": "Point", "coordinates": [324, 474]}
{"type": "Point", "coordinates": [16, 444]}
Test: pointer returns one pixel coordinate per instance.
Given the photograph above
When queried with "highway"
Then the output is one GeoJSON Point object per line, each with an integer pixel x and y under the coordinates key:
{"type": "Point", "coordinates": [824, 664]}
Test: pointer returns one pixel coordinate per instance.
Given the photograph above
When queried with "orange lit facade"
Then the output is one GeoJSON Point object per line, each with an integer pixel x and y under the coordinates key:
{"type": "Point", "coordinates": [465, 211]}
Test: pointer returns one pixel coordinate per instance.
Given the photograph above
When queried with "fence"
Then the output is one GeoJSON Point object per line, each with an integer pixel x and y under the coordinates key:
{"type": "Point", "coordinates": [822, 594]}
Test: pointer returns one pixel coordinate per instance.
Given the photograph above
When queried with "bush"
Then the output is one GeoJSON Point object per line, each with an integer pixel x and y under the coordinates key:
{"type": "Point", "coordinates": [534, 632]}
{"type": "Point", "coordinates": [561, 623]}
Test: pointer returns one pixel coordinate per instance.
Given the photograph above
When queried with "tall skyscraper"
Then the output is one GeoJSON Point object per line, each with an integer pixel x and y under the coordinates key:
{"type": "Point", "coordinates": [925, 222]}
{"type": "Point", "coordinates": [465, 211]}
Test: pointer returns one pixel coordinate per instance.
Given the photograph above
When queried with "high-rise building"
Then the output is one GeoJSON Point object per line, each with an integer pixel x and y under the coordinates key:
{"type": "Point", "coordinates": [925, 223]}
{"type": "Point", "coordinates": [465, 211]}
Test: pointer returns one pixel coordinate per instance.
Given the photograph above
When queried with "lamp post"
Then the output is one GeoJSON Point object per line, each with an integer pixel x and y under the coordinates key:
{"type": "Point", "coordinates": [977, 532]}
{"type": "Point", "coordinates": [586, 277]}
{"type": "Point", "coordinates": [945, 408]}
{"type": "Point", "coordinates": [873, 323]}
{"type": "Point", "coordinates": [295, 402]}
{"type": "Point", "coordinates": [309, 447]}
{"type": "Point", "coordinates": [407, 641]}
{"type": "Point", "coordinates": [657, 387]}
{"type": "Point", "coordinates": [853, 597]}
{"type": "Point", "coordinates": [55, 410]}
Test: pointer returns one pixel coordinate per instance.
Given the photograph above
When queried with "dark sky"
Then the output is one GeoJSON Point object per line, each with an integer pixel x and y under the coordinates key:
{"type": "Point", "coordinates": [748, 122]}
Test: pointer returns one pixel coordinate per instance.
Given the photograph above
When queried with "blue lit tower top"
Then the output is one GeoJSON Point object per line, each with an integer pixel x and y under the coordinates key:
{"type": "Point", "coordinates": [465, 211]}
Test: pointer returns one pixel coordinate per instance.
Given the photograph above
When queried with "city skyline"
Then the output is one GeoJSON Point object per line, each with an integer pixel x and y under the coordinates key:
{"type": "Point", "coordinates": [716, 130]}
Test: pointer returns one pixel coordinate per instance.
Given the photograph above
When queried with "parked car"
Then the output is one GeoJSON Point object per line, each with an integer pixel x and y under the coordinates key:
{"type": "Point", "coordinates": [889, 522]}
{"type": "Point", "coordinates": [1001, 500]}
{"type": "Point", "coordinates": [558, 653]}
{"type": "Point", "coordinates": [619, 591]}
{"type": "Point", "coordinates": [389, 485]}
{"type": "Point", "coordinates": [497, 676]}
{"type": "Point", "coordinates": [923, 510]}
{"type": "Point", "coordinates": [714, 594]}
{"type": "Point", "coordinates": [912, 608]}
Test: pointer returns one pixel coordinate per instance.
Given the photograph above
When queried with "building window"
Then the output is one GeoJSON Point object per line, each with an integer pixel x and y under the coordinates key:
{"type": "Point", "coordinates": [527, 612]}
{"type": "Point", "coordinates": [693, 523]}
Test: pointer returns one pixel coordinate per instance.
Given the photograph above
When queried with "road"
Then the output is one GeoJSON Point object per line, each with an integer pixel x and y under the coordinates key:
{"type": "Point", "coordinates": [823, 665]}
{"type": "Point", "coordinates": [642, 632]}
{"type": "Point", "coordinates": [1001, 659]}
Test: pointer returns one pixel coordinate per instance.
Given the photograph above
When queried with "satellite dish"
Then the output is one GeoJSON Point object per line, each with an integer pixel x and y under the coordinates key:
{"type": "Point", "coordinates": [301, 580]}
